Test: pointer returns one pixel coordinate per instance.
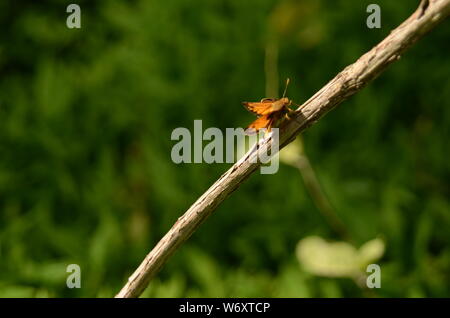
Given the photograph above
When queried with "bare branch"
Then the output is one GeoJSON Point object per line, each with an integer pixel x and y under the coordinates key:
{"type": "Point", "coordinates": [352, 79]}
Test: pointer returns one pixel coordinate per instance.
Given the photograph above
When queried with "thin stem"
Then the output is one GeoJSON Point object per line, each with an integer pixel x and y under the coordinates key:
{"type": "Point", "coordinates": [319, 197]}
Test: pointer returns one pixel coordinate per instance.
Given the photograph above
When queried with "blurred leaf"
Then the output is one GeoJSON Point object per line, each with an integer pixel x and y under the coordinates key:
{"type": "Point", "coordinates": [337, 259]}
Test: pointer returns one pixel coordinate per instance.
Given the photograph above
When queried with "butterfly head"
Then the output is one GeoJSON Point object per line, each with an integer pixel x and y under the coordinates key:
{"type": "Point", "coordinates": [286, 101]}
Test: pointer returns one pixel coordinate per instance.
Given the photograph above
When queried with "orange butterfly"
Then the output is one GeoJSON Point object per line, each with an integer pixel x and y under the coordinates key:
{"type": "Point", "coordinates": [269, 112]}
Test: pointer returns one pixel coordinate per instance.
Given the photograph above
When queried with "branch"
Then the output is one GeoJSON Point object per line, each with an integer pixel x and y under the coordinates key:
{"type": "Point", "coordinates": [352, 79]}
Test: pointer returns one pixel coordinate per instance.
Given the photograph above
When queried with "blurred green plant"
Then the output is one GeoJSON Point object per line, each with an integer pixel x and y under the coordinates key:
{"type": "Point", "coordinates": [85, 170]}
{"type": "Point", "coordinates": [337, 259]}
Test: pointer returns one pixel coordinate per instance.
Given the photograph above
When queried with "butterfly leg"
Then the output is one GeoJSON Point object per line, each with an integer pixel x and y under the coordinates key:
{"type": "Point", "coordinates": [290, 112]}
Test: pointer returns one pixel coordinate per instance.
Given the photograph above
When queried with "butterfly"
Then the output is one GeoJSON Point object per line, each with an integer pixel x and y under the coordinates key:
{"type": "Point", "coordinates": [269, 111]}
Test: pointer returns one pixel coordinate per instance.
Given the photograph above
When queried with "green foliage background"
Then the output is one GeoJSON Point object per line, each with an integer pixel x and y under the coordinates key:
{"type": "Point", "coordinates": [85, 170]}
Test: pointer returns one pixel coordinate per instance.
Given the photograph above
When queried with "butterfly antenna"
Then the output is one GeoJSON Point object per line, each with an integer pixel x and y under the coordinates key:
{"type": "Point", "coordinates": [285, 88]}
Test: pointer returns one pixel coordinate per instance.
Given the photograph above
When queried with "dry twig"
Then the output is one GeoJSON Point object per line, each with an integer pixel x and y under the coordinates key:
{"type": "Point", "coordinates": [352, 79]}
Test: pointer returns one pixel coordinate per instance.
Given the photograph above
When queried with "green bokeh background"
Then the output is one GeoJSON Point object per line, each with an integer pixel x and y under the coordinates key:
{"type": "Point", "coordinates": [86, 175]}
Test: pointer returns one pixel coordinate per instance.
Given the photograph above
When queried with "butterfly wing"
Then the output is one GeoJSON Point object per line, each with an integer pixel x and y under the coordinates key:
{"type": "Point", "coordinates": [265, 121]}
{"type": "Point", "coordinates": [260, 108]}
